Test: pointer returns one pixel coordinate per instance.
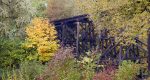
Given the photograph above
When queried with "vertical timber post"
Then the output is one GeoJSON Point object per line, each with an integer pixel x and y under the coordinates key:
{"type": "Point", "coordinates": [63, 35]}
{"type": "Point", "coordinates": [148, 41]}
{"type": "Point", "coordinates": [120, 55]}
{"type": "Point", "coordinates": [77, 38]}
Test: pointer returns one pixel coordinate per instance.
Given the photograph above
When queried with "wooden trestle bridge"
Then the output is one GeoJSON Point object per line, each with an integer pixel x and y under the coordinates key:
{"type": "Point", "coordinates": [79, 32]}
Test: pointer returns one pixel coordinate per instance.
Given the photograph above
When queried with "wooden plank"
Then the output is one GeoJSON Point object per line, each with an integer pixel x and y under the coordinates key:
{"type": "Point", "coordinates": [71, 19]}
{"type": "Point", "coordinates": [138, 41]}
{"type": "Point", "coordinates": [63, 34]}
{"type": "Point", "coordinates": [77, 40]}
{"type": "Point", "coordinates": [148, 43]}
{"type": "Point", "coordinates": [115, 49]}
{"type": "Point", "coordinates": [120, 55]}
{"type": "Point", "coordinates": [99, 42]}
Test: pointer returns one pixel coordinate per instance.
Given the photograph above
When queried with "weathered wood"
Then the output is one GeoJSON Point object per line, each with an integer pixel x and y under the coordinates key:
{"type": "Point", "coordinates": [63, 33]}
{"type": "Point", "coordinates": [77, 40]}
{"type": "Point", "coordinates": [148, 50]}
{"type": "Point", "coordinates": [120, 55]}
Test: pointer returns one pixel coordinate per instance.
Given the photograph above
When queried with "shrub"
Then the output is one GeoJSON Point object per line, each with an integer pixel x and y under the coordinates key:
{"type": "Point", "coordinates": [42, 36]}
{"type": "Point", "coordinates": [28, 70]}
{"type": "Point", "coordinates": [87, 65]}
{"type": "Point", "coordinates": [127, 71]}
{"type": "Point", "coordinates": [62, 67]}
{"type": "Point", "coordinates": [11, 52]}
{"type": "Point", "coordinates": [106, 74]}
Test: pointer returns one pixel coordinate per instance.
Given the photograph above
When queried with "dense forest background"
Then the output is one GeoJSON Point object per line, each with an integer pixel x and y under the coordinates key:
{"type": "Point", "coordinates": [28, 44]}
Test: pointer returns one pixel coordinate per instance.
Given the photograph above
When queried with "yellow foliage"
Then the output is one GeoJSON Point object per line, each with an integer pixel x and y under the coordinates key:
{"type": "Point", "coordinates": [125, 19]}
{"type": "Point", "coordinates": [42, 36]}
{"type": "Point", "coordinates": [94, 7]}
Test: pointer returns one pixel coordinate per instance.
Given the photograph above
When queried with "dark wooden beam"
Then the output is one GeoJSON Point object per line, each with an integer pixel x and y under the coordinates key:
{"type": "Point", "coordinates": [120, 55]}
{"type": "Point", "coordinates": [77, 38]}
{"type": "Point", "coordinates": [79, 18]}
{"type": "Point", "coordinates": [63, 34]}
{"type": "Point", "coordinates": [148, 42]}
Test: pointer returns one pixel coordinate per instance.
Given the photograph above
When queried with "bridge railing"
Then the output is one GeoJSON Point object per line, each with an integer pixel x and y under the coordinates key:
{"type": "Point", "coordinates": [113, 50]}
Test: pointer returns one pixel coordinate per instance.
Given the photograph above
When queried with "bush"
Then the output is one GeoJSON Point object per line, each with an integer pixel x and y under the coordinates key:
{"type": "Point", "coordinates": [11, 52]}
{"type": "Point", "coordinates": [62, 67]}
{"type": "Point", "coordinates": [27, 71]}
{"type": "Point", "coordinates": [127, 71]}
{"type": "Point", "coordinates": [87, 65]}
{"type": "Point", "coordinates": [42, 36]}
{"type": "Point", "coordinates": [106, 74]}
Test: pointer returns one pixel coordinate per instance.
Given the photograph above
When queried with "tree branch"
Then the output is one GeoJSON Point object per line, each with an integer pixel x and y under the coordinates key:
{"type": "Point", "coordinates": [4, 3]}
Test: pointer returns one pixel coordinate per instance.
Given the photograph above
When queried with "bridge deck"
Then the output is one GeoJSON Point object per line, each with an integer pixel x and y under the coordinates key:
{"type": "Point", "coordinates": [80, 18]}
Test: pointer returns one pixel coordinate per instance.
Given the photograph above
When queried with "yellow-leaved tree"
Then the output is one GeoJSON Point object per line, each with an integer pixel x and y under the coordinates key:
{"type": "Point", "coordinates": [42, 36]}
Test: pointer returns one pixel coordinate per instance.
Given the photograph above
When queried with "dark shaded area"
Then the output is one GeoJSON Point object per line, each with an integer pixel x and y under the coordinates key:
{"type": "Point", "coordinates": [77, 32]}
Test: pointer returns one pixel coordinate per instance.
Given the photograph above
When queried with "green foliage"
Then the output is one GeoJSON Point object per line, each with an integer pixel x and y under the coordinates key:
{"type": "Point", "coordinates": [11, 52]}
{"type": "Point", "coordinates": [127, 71]}
{"type": "Point", "coordinates": [87, 65]}
{"type": "Point", "coordinates": [40, 7]}
{"type": "Point", "coordinates": [67, 71]}
{"type": "Point", "coordinates": [62, 67]}
{"type": "Point", "coordinates": [14, 15]}
{"type": "Point", "coordinates": [126, 19]}
{"type": "Point", "coordinates": [27, 71]}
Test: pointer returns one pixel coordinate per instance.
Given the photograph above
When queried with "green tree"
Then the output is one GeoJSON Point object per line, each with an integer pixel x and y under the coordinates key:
{"type": "Point", "coordinates": [14, 15]}
{"type": "Point", "coordinates": [40, 7]}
